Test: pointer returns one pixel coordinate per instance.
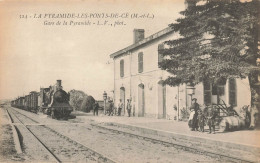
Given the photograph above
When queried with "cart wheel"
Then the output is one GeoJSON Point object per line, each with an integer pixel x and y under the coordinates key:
{"type": "Point", "coordinates": [223, 126]}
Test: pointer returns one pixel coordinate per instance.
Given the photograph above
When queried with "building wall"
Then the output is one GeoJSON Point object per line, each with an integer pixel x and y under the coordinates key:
{"type": "Point", "coordinates": [243, 93]}
{"type": "Point", "coordinates": [151, 77]}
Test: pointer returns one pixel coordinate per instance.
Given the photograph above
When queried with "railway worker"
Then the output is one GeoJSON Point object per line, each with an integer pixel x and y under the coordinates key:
{"type": "Point", "coordinates": [120, 107]}
{"type": "Point", "coordinates": [194, 107]}
{"type": "Point", "coordinates": [95, 108]}
{"type": "Point", "coordinates": [111, 107]}
{"type": "Point", "coordinates": [201, 120]}
{"type": "Point", "coordinates": [211, 116]}
{"type": "Point", "coordinates": [128, 107]}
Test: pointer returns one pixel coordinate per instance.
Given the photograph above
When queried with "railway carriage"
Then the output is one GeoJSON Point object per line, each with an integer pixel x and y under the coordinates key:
{"type": "Point", "coordinates": [31, 102]}
{"type": "Point", "coordinates": [26, 102]}
{"type": "Point", "coordinates": [20, 102]}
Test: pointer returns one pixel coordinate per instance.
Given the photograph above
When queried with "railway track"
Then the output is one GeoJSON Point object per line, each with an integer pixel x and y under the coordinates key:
{"type": "Point", "coordinates": [179, 146]}
{"type": "Point", "coordinates": [26, 120]}
{"type": "Point", "coordinates": [147, 138]}
{"type": "Point", "coordinates": [61, 147]}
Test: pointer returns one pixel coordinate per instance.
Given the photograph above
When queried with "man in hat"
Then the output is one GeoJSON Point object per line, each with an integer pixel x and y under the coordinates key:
{"type": "Point", "coordinates": [211, 116]}
{"type": "Point", "coordinates": [95, 108]}
{"type": "Point", "coordinates": [194, 107]}
{"type": "Point", "coordinates": [111, 107]}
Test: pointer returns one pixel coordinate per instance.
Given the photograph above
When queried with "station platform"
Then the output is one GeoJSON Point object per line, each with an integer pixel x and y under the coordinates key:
{"type": "Point", "coordinates": [245, 137]}
{"type": "Point", "coordinates": [242, 141]}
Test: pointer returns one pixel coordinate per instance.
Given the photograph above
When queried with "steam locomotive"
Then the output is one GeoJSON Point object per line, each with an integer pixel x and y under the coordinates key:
{"type": "Point", "coordinates": [53, 101]}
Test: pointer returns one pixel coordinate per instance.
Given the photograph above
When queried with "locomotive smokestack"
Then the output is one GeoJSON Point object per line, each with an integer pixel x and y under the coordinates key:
{"type": "Point", "coordinates": [58, 83]}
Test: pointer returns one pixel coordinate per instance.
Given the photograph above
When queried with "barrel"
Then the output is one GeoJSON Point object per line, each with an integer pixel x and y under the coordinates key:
{"type": "Point", "coordinates": [231, 123]}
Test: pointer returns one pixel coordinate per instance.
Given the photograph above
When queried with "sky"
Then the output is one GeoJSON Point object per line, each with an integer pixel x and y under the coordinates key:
{"type": "Point", "coordinates": [34, 55]}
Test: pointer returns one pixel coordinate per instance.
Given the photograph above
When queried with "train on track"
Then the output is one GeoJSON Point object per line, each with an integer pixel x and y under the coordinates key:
{"type": "Point", "coordinates": [53, 101]}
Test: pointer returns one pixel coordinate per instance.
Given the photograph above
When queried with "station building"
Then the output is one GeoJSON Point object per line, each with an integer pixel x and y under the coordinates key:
{"type": "Point", "coordinates": [138, 77]}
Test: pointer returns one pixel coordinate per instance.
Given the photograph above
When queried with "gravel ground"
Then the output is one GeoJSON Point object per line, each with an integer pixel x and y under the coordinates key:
{"type": "Point", "coordinates": [32, 148]}
{"type": "Point", "coordinates": [246, 155]}
{"type": "Point", "coordinates": [7, 147]}
{"type": "Point", "coordinates": [22, 118]}
{"type": "Point", "coordinates": [128, 149]}
{"type": "Point", "coordinates": [121, 148]}
{"type": "Point", "coordinates": [65, 150]}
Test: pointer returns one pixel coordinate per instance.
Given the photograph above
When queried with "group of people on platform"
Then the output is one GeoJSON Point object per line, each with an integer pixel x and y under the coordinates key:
{"type": "Point", "coordinates": [112, 110]}
{"type": "Point", "coordinates": [197, 120]}
{"type": "Point", "coordinates": [199, 117]}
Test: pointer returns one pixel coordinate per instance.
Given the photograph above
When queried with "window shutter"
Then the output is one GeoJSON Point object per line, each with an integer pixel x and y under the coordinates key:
{"type": "Point", "coordinates": [140, 62]}
{"type": "Point", "coordinates": [160, 56]}
{"type": "Point", "coordinates": [207, 93]}
{"type": "Point", "coordinates": [122, 68]}
{"type": "Point", "coordinates": [232, 92]}
{"type": "Point", "coordinates": [214, 89]}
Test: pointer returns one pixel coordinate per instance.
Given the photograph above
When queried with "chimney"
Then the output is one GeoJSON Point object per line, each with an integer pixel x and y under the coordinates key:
{"type": "Point", "coordinates": [58, 83]}
{"type": "Point", "coordinates": [138, 35]}
{"type": "Point", "coordinates": [189, 3]}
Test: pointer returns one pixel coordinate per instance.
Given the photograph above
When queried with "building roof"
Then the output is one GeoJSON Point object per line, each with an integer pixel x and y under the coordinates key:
{"type": "Point", "coordinates": [146, 40]}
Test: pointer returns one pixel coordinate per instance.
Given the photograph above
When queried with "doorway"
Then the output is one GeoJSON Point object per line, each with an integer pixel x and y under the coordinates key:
{"type": "Point", "coordinates": [141, 100]}
{"type": "Point", "coordinates": [161, 100]}
{"type": "Point", "coordinates": [122, 97]}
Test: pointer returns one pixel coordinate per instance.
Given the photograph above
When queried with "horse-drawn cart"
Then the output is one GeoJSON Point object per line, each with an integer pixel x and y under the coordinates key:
{"type": "Point", "coordinates": [228, 119]}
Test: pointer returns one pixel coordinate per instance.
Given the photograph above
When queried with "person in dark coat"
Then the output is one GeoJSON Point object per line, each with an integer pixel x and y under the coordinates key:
{"type": "Point", "coordinates": [120, 107]}
{"type": "Point", "coordinates": [211, 116]}
{"type": "Point", "coordinates": [195, 107]}
{"type": "Point", "coordinates": [95, 108]}
{"type": "Point", "coordinates": [201, 120]}
{"type": "Point", "coordinates": [111, 108]}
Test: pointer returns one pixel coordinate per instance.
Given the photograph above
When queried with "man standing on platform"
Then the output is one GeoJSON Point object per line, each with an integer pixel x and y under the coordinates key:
{"type": "Point", "coordinates": [120, 107]}
{"type": "Point", "coordinates": [211, 116]}
{"type": "Point", "coordinates": [111, 108]}
{"type": "Point", "coordinates": [195, 107]}
{"type": "Point", "coordinates": [95, 108]}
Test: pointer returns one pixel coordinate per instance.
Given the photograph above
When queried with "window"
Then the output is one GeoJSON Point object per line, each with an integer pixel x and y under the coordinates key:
{"type": "Point", "coordinates": [218, 90]}
{"type": "Point", "coordinates": [122, 68]}
{"type": "Point", "coordinates": [232, 92]}
{"type": "Point", "coordinates": [140, 62]}
{"type": "Point", "coordinates": [207, 93]}
{"type": "Point", "coordinates": [160, 56]}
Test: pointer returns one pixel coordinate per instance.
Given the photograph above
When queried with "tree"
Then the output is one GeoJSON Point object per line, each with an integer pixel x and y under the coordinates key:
{"type": "Point", "coordinates": [76, 98]}
{"type": "Point", "coordinates": [87, 103]}
{"type": "Point", "coordinates": [219, 40]}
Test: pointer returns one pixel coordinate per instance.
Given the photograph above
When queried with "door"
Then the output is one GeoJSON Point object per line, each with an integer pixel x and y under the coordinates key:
{"type": "Point", "coordinates": [161, 100]}
{"type": "Point", "coordinates": [122, 97]}
{"type": "Point", "coordinates": [140, 100]}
